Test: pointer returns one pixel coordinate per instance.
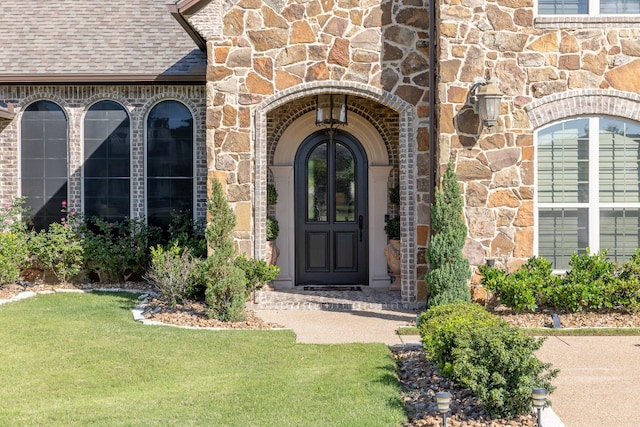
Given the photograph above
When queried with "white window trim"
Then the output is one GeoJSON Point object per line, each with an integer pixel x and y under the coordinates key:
{"type": "Point", "coordinates": [593, 8]}
{"type": "Point", "coordinates": [594, 204]}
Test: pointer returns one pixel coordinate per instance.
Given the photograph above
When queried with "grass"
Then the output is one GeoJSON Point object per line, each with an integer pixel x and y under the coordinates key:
{"type": "Point", "coordinates": [80, 359]}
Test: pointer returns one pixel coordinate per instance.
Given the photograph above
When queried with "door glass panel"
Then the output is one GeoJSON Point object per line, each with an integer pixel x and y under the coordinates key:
{"type": "Point", "coordinates": [345, 189]}
{"type": "Point", "coordinates": [317, 184]}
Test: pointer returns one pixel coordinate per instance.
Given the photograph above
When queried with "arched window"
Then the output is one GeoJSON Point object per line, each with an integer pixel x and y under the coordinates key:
{"type": "Point", "coordinates": [43, 161]}
{"type": "Point", "coordinates": [588, 188]}
{"type": "Point", "coordinates": [169, 162]}
{"type": "Point", "coordinates": [107, 136]}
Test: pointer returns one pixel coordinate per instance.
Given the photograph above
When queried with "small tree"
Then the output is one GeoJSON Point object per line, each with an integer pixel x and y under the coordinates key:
{"type": "Point", "coordinates": [448, 269]}
{"type": "Point", "coordinates": [226, 289]}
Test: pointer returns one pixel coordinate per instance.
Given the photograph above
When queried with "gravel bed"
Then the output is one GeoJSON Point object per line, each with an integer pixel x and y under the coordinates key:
{"type": "Point", "coordinates": [420, 381]}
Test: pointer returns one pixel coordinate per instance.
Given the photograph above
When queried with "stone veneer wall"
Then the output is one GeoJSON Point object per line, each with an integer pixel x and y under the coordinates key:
{"type": "Point", "coordinates": [270, 47]}
{"type": "Point", "coordinates": [548, 68]}
{"type": "Point", "coordinates": [75, 100]}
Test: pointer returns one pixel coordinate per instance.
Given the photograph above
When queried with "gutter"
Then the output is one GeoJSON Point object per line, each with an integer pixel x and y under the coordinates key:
{"type": "Point", "coordinates": [73, 78]}
{"type": "Point", "coordinates": [176, 10]}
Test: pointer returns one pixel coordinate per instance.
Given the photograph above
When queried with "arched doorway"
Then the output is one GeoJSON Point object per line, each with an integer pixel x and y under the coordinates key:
{"type": "Point", "coordinates": [331, 218]}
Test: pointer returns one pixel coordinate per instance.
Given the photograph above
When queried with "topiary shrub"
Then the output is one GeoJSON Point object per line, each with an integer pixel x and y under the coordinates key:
{"type": "Point", "coordinates": [449, 271]}
{"type": "Point", "coordinates": [273, 228]}
{"type": "Point", "coordinates": [482, 352]}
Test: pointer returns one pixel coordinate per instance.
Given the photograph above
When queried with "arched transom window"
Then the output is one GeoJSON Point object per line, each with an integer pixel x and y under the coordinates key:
{"type": "Point", "coordinates": [588, 188]}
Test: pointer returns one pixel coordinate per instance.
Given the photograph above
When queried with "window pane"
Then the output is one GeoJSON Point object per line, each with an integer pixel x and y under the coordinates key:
{"type": "Point", "coordinates": [43, 161]}
{"type": "Point", "coordinates": [317, 184]}
{"type": "Point", "coordinates": [345, 185]}
{"type": "Point", "coordinates": [169, 162]}
{"type": "Point", "coordinates": [619, 161]}
{"type": "Point", "coordinates": [561, 232]}
{"type": "Point", "coordinates": [563, 163]}
{"type": "Point", "coordinates": [619, 6]}
{"type": "Point", "coordinates": [563, 7]}
{"type": "Point", "coordinates": [107, 161]}
{"type": "Point", "coordinates": [620, 232]}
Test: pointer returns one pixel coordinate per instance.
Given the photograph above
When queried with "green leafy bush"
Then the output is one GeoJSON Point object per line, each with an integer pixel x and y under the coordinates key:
{"type": "Point", "coordinates": [14, 255]}
{"type": "Point", "coordinates": [115, 251]}
{"type": "Point", "coordinates": [522, 289]}
{"type": "Point", "coordinates": [257, 272]}
{"type": "Point", "coordinates": [187, 233]}
{"type": "Point", "coordinates": [487, 355]}
{"type": "Point", "coordinates": [592, 283]}
{"type": "Point", "coordinates": [59, 249]}
{"type": "Point", "coordinates": [588, 284]}
{"type": "Point", "coordinates": [172, 272]}
{"type": "Point", "coordinates": [449, 270]}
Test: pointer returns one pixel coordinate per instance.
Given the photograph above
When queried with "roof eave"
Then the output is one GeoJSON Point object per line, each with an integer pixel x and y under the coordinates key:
{"type": "Point", "coordinates": [73, 78]}
{"type": "Point", "coordinates": [177, 11]}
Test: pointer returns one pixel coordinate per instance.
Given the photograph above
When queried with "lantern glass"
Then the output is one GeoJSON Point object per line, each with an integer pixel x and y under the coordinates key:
{"type": "Point", "coordinates": [488, 98]}
{"type": "Point", "coordinates": [331, 110]}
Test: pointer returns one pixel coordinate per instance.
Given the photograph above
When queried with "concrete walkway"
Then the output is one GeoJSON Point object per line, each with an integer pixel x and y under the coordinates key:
{"type": "Point", "coordinates": [336, 327]}
{"type": "Point", "coordinates": [599, 380]}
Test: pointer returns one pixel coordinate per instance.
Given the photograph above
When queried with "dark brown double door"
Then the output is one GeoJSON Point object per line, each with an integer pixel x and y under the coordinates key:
{"type": "Point", "coordinates": [331, 211]}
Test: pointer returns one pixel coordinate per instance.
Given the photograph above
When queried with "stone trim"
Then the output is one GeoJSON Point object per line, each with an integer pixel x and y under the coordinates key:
{"type": "Point", "coordinates": [583, 102]}
{"type": "Point", "coordinates": [407, 159]}
{"type": "Point", "coordinates": [564, 22]}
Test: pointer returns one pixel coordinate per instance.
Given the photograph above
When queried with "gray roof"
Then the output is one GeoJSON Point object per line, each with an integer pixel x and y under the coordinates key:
{"type": "Point", "coordinates": [95, 40]}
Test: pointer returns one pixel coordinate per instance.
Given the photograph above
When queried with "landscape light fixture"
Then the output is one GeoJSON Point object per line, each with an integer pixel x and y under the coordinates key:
{"type": "Point", "coordinates": [443, 400]}
{"type": "Point", "coordinates": [331, 112]}
{"type": "Point", "coordinates": [539, 400]}
{"type": "Point", "coordinates": [485, 96]}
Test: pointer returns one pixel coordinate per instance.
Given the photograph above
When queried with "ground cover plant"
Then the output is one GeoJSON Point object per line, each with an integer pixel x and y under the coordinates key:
{"type": "Point", "coordinates": [80, 359]}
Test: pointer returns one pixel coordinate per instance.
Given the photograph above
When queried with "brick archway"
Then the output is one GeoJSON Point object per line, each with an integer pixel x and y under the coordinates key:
{"type": "Point", "coordinates": [407, 161]}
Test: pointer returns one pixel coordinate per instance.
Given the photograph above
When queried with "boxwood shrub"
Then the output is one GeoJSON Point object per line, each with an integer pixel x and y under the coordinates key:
{"type": "Point", "coordinates": [482, 352]}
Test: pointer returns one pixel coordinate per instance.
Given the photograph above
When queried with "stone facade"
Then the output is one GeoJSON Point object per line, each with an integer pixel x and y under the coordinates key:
{"type": "Point", "coordinates": [75, 100]}
{"type": "Point", "coordinates": [548, 69]}
{"type": "Point", "coordinates": [376, 53]}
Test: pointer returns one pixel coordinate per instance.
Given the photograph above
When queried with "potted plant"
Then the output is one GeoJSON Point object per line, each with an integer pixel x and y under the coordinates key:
{"type": "Point", "coordinates": [392, 250]}
{"type": "Point", "coordinates": [272, 227]}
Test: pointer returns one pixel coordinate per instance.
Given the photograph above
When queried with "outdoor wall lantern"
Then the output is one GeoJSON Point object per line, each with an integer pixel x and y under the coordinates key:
{"type": "Point", "coordinates": [539, 400]}
{"type": "Point", "coordinates": [443, 400]}
{"type": "Point", "coordinates": [485, 96]}
{"type": "Point", "coordinates": [331, 112]}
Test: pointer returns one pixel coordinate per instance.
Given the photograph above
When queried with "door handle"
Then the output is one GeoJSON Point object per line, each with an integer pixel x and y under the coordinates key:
{"type": "Point", "coordinates": [360, 225]}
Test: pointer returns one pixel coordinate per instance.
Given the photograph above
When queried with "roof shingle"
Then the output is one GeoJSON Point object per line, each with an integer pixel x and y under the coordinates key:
{"type": "Point", "coordinates": [95, 37]}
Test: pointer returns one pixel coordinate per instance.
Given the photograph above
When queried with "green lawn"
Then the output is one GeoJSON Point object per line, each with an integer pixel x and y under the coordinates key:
{"type": "Point", "coordinates": [80, 359]}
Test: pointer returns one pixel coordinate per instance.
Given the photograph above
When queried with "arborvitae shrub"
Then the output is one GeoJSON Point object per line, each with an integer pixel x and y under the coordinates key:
{"type": "Point", "coordinates": [449, 271]}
